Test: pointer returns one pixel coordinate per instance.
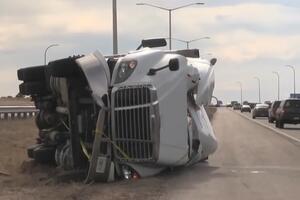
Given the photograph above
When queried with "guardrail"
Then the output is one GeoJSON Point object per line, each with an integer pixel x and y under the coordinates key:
{"type": "Point", "coordinates": [17, 112]}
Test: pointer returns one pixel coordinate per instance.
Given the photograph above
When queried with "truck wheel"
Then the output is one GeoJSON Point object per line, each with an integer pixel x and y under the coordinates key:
{"type": "Point", "coordinates": [42, 154]}
{"type": "Point", "coordinates": [29, 74]}
{"type": "Point", "coordinates": [32, 88]}
{"type": "Point", "coordinates": [46, 119]}
{"type": "Point", "coordinates": [66, 67]}
{"type": "Point", "coordinates": [280, 124]}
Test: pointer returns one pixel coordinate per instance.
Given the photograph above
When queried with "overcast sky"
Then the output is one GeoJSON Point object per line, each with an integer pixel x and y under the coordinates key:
{"type": "Point", "coordinates": [249, 38]}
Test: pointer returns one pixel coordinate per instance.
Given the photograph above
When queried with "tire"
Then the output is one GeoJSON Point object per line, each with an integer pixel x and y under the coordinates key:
{"type": "Point", "coordinates": [46, 119]}
{"type": "Point", "coordinates": [41, 153]}
{"type": "Point", "coordinates": [271, 120]}
{"type": "Point", "coordinates": [253, 117]}
{"type": "Point", "coordinates": [280, 125]}
{"type": "Point", "coordinates": [33, 88]}
{"type": "Point", "coordinates": [66, 67]}
{"type": "Point", "coordinates": [30, 74]}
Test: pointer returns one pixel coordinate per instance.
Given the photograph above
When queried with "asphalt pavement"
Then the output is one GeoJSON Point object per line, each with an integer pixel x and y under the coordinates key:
{"type": "Point", "coordinates": [252, 162]}
{"type": "Point", "coordinates": [292, 130]}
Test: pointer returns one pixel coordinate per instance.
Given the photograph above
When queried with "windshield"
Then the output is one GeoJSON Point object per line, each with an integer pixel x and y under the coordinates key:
{"type": "Point", "coordinates": [292, 104]}
{"type": "Point", "coordinates": [276, 104]}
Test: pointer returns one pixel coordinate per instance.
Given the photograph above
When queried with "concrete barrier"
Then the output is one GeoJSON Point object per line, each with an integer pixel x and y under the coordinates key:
{"type": "Point", "coordinates": [17, 112]}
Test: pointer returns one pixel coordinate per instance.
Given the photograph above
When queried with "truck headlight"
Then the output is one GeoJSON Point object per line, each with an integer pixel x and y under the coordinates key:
{"type": "Point", "coordinates": [125, 70]}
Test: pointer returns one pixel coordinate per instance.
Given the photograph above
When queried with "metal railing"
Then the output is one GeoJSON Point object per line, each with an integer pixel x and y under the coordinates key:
{"type": "Point", "coordinates": [17, 112]}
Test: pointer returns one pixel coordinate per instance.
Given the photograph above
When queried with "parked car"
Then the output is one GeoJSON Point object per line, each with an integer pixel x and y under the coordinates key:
{"type": "Point", "coordinates": [272, 111]}
{"type": "Point", "coordinates": [288, 112]}
{"type": "Point", "coordinates": [245, 108]}
{"type": "Point", "coordinates": [260, 110]}
{"type": "Point", "coordinates": [236, 106]}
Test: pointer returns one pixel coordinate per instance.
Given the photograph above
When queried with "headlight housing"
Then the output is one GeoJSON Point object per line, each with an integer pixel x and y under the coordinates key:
{"type": "Point", "coordinates": [125, 69]}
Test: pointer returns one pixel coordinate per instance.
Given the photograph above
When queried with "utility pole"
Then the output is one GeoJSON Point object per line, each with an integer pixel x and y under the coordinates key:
{"type": "Point", "coordinates": [170, 15]}
{"type": "Point", "coordinates": [46, 50]}
{"type": "Point", "coordinates": [189, 41]}
{"type": "Point", "coordinates": [241, 87]}
{"type": "Point", "coordinates": [170, 29]}
{"type": "Point", "coordinates": [259, 97]}
{"type": "Point", "coordinates": [115, 27]}
{"type": "Point", "coordinates": [278, 85]}
{"type": "Point", "coordinates": [293, 68]}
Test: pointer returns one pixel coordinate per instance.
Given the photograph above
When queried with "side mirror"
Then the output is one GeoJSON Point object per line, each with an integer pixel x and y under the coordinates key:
{"type": "Point", "coordinates": [213, 61]}
{"type": "Point", "coordinates": [174, 64]}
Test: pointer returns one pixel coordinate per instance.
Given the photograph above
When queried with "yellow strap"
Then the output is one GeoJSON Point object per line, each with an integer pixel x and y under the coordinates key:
{"type": "Point", "coordinates": [120, 150]}
{"type": "Point", "coordinates": [85, 151]}
{"type": "Point", "coordinates": [114, 144]}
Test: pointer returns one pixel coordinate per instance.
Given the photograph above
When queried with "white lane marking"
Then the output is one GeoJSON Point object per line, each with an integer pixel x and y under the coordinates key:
{"type": "Point", "coordinates": [271, 128]}
{"type": "Point", "coordinates": [257, 172]}
{"type": "Point", "coordinates": [234, 168]}
{"type": "Point", "coordinates": [251, 172]}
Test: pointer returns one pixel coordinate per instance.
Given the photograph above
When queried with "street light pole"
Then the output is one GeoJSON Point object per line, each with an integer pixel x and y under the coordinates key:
{"type": "Point", "coordinates": [278, 85]}
{"type": "Point", "coordinates": [170, 29]}
{"type": "Point", "coordinates": [46, 50]}
{"type": "Point", "coordinates": [189, 41]}
{"type": "Point", "coordinates": [258, 79]}
{"type": "Point", "coordinates": [170, 15]}
{"type": "Point", "coordinates": [293, 68]}
{"type": "Point", "coordinates": [115, 28]}
{"type": "Point", "coordinates": [241, 87]}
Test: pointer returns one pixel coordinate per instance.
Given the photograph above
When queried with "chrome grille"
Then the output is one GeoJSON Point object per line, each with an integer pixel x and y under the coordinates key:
{"type": "Point", "coordinates": [132, 131]}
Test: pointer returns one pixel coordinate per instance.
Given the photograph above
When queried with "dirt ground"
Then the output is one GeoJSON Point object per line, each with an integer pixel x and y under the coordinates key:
{"type": "Point", "coordinates": [21, 178]}
{"type": "Point", "coordinates": [15, 102]}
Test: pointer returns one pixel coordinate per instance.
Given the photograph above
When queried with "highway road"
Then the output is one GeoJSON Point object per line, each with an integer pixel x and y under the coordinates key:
{"type": "Point", "coordinates": [252, 162]}
{"type": "Point", "coordinates": [292, 130]}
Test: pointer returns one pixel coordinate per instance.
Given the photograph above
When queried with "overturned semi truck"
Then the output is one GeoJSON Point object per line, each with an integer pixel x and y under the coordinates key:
{"type": "Point", "coordinates": [122, 116]}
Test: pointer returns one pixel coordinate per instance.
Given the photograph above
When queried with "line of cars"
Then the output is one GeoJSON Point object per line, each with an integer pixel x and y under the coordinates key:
{"type": "Point", "coordinates": [281, 112]}
{"type": "Point", "coordinates": [285, 112]}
